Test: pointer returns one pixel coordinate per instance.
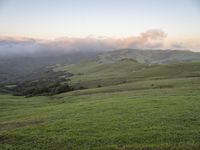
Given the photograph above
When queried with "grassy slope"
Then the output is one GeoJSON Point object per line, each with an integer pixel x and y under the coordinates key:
{"type": "Point", "coordinates": [94, 73]}
{"type": "Point", "coordinates": [156, 108]}
{"type": "Point", "coordinates": [154, 118]}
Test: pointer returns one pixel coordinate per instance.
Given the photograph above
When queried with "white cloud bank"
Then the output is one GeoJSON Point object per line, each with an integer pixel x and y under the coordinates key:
{"type": "Point", "coordinates": [151, 39]}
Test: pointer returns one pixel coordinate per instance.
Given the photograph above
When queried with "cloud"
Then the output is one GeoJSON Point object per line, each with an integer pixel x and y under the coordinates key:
{"type": "Point", "coordinates": [13, 46]}
{"type": "Point", "coordinates": [148, 39]}
{"type": "Point", "coordinates": [151, 39]}
{"type": "Point", "coordinates": [177, 45]}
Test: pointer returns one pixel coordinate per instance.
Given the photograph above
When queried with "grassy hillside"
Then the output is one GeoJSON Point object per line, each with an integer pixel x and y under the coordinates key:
{"type": "Point", "coordinates": [15, 67]}
{"type": "Point", "coordinates": [151, 56]}
{"type": "Point", "coordinates": [105, 118]}
{"type": "Point", "coordinates": [90, 74]}
{"type": "Point", "coordinates": [118, 103]}
{"type": "Point", "coordinates": [137, 106]}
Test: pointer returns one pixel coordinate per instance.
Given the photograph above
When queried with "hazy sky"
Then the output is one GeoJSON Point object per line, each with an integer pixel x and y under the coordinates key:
{"type": "Point", "coordinates": [49, 19]}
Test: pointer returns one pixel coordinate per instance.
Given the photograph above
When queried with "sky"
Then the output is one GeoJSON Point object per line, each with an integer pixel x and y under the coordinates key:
{"type": "Point", "coordinates": [55, 19]}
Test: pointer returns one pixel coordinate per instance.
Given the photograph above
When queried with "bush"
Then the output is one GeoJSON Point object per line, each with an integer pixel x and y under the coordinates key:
{"type": "Point", "coordinates": [99, 86]}
{"type": "Point", "coordinates": [43, 87]}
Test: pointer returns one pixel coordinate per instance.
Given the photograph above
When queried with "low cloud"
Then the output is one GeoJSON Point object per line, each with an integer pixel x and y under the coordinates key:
{"type": "Point", "coordinates": [177, 45]}
{"type": "Point", "coordinates": [148, 39]}
{"type": "Point", "coordinates": [151, 39]}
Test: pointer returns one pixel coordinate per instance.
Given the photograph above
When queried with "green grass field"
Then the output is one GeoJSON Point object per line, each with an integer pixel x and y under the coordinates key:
{"type": "Point", "coordinates": [157, 107]}
{"type": "Point", "coordinates": [93, 73]}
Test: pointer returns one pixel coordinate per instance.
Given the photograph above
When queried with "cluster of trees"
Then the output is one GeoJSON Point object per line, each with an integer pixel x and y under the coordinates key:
{"type": "Point", "coordinates": [43, 82]}
{"type": "Point", "coordinates": [41, 87]}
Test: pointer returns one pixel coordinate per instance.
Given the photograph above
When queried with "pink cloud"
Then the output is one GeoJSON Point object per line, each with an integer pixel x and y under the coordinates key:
{"type": "Point", "coordinates": [151, 39]}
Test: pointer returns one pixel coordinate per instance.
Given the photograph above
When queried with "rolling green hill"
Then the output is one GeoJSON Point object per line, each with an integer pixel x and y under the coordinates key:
{"type": "Point", "coordinates": [151, 56]}
{"type": "Point", "coordinates": [19, 66]}
{"type": "Point", "coordinates": [117, 103]}
{"type": "Point", "coordinates": [92, 74]}
{"type": "Point", "coordinates": [129, 116]}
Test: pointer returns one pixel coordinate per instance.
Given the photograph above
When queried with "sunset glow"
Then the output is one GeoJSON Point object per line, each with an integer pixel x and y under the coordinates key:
{"type": "Point", "coordinates": [49, 20]}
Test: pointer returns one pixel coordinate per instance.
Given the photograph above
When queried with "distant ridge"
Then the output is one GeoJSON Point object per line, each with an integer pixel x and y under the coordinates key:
{"type": "Point", "coordinates": [152, 56]}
